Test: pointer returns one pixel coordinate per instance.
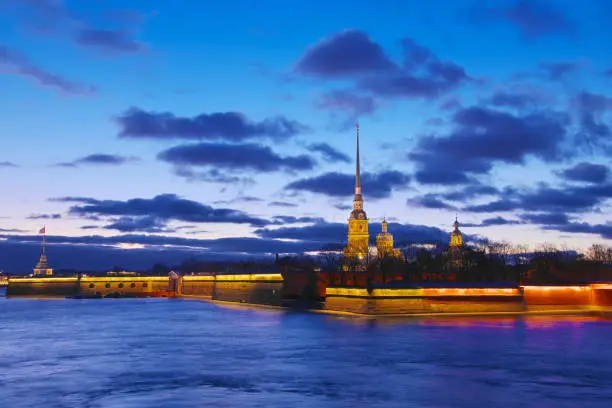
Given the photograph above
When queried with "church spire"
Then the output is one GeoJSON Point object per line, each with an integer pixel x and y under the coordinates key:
{"type": "Point", "coordinates": [357, 169]}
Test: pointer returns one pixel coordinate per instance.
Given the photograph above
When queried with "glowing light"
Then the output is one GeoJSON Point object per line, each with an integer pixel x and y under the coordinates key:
{"type": "Point", "coordinates": [126, 245]}
{"type": "Point", "coordinates": [251, 277]}
{"type": "Point", "coordinates": [198, 278]}
{"type": "Point", "coordinates": [557, 288]}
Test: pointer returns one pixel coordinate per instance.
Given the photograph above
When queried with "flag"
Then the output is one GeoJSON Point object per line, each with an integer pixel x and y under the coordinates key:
{"type": "Point", "coordinates": [43, 230]}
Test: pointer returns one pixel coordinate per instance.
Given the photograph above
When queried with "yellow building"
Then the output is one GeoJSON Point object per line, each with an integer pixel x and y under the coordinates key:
{"type": "Point", "coordinates": [456, 251]}
{"type": "Point", "coordinates": [358, 235]}
{"type": "Point", "coordinates": [42, 267]}
{"type": "Point", "coordinates": [456, 236]}
{"type": "Point", "coordinates": [384, 243]}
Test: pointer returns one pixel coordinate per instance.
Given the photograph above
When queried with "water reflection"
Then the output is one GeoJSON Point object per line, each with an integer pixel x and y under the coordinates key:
{"type": "Point", "coordinates": [164, 353]}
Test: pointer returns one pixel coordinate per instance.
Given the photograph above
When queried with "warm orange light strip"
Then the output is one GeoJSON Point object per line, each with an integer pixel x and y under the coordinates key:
{"type": "Point", "coordinates": [557, 288]}
{"type": "Point", "coordinates": [421, 292]}
{"type": "Point", "coordinates": [251, 277]}
{"type": "Point", "coordinates": [198, 278]}
{"type": "Point", "coordinates": [601, 285]}
{"type": "Point", "coordinates": [471, 292]}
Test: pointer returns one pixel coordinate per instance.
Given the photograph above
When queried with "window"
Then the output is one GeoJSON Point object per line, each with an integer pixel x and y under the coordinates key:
{"type": "Point", "coordinates": [107, 285]}
{"type": "Point", "coordinates": [144, 285]}
{"type": "Point", "coordinates": [91, 286]}
{"type": "Point", "coordinates": [120, 285]}
{"type": "Point", "coordinates": [132, 285]}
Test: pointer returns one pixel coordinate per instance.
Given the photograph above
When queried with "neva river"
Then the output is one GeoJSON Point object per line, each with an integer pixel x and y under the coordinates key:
{"type": "Point", "coordinates": [185, 353]}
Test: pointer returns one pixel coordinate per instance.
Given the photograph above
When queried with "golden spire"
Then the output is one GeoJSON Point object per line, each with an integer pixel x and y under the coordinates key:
{"type": "Point", "coordinates": [357, 169]}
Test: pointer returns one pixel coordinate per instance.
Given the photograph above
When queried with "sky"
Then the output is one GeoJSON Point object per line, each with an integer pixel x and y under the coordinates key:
{"type": "Point", "coordinates": [141, 130]}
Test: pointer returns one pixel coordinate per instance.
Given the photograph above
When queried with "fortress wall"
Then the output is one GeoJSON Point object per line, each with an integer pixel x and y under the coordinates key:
{"type": "Point", "coordinates": [409, 301]}
{"type": "Point", "coordinates": [543, 298]}
{"type": "Point", "coordinates": [89, 286]}
{"type": "Point", "coordinates": [197, 286]}
{"type": "Point", "coordinates": [262, 289]}
{"type": "Point", "coordinates": [138, 286]}
{"type": "Point", "coordinates": [42, 287]}
{"type": "Point", "coordinates": [602, 295]}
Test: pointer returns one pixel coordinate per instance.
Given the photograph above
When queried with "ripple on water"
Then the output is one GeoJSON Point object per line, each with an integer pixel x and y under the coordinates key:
{"type": "Point", "coordinates": [162, 353]}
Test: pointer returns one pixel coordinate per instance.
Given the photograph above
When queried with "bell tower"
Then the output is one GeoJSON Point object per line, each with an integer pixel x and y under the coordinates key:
{"type": "Point", "coordinates": [358, 236]}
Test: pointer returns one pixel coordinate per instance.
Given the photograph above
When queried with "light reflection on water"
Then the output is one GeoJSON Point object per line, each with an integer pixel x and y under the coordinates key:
{"type": "Point", "coordinates": [186, 353]}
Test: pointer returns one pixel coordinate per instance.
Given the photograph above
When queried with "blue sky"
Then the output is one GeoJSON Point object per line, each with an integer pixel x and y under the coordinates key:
{"type": "Point", "coordinates": [133, 121]}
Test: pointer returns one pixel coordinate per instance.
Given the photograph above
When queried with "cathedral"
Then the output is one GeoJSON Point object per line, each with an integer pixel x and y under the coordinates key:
{"type": "Point", "coordinates": [358, 247]}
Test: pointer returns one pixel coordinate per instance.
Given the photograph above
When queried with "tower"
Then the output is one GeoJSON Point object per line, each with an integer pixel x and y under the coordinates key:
{"type": "Point", "coordinates": [456, 236]}
{"type": "Point", "coordinates": [358, 236]}
{"type": "Point", "coordinates": [42, 267]}
{"type": "Point", "coordinates": [384, 241]}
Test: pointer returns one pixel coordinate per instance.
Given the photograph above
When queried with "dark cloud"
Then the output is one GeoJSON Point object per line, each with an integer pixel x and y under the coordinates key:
{"type": "Point", "coordinates": [429, 201]}
{"type": "Point", "coordinates": [603, 230]}
{"type": "Point", "coordinates": [107, 30]}
{"type": "Point", "coordinates": [138, 224]}
{"type": "Point", "coordinates": [495, 221]}
{"type": "Point", "coordinates": [19, 253]}
{"type": "Point", "coordinates": [587, 172]}
{"type": "Point", "coordinates": [353, 55]}
{"type": "Point", "coordinates": [15, 63]}
{"type": "Point", "coordinates": [337, 232]}
{"type": "Point", "coordinates": [569, 199]}
{"type": "Point", "coordinates": [329, 153]}
{"type": "Point", "coordinates": [290, 219]}
{"type": "Point", "coordinates": [451, 104]}
{"type": "Point", "coordinates": [511, 99]}
{"type": "Point", "coordinates": [7, 164]}
{"type": "Point", "coordinates": [44, 217]}
{"type": "Point", "coordinates": [212, 176]}
{"type": "Point", "coordinates": [342, 207]}
{"type": "Point", "coordinates": [546, 218]}
{"type": "Point", "coordinates": [99, 159]}
{"type": "Point", "coordinates": [108, 40]}
{"type": "Point", "coordinates": [240, 199]}
{"type": "Point", "coordinates": [375, 185]}
{"type": "Point", "coordinates": [594, 120]}
{"type": "Point", "coordinates": [442, 177]}
{"type": "Point", "coordinates": [469, 192]}
{"type": "Point", "coordinates": [353, 104]}
{"type": "Point", "coordinates": [534, 18]}
{"type": "Point", "coordinates": [246, 156]}
{"type": "Point", "coordinates": [482, 137]}
{"type": "Point", "coordinates": [556, 71]}
{"type": "Point", "coordinates": [229, 126]}
{"type": "Point", "coordinates": [281, 204]}
{"type": "Point", "coordinates": [164, 207]}
{"type": "Point", "coordinates": [608, 73]}
{"type": "Point", "coordinates": [344, 54]}
{"type": "Point", "coordinates": [10, 230]}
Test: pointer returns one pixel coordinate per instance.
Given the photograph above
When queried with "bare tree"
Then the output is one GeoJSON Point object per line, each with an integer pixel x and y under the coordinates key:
{"type": "Point", "coordinates": [329, 260]}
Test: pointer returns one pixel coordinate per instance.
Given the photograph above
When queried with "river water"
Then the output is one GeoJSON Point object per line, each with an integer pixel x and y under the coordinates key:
{"type": "Point", "coordinates": [187, 353]}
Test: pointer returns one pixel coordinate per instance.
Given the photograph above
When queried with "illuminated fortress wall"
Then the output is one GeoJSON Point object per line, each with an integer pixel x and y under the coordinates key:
{"type": "Point", "coordinates": [261, 289]}
{"type": "Point", "coordinates": [201, 286]}
{"type": "Point", "coordinates": [89, 286]}
{"type": "Point", "coordinates": [542, 298]}
{"type": "Point", "coordinates": [408, 301]}
{"type": "Point", "coordinates": [125, 286]}
{"type": "Point", "coordinates": [42, 287]}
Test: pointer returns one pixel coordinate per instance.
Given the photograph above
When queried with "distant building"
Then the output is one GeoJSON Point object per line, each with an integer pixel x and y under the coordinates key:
{"type": "Point", "coordinates": [42, 268]}
{"type": "Point", "coordinates": [384, 243]}
{"type": "Point", "coordinates": [456, 250]}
